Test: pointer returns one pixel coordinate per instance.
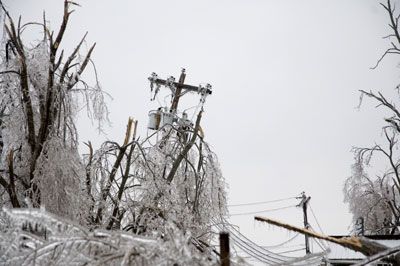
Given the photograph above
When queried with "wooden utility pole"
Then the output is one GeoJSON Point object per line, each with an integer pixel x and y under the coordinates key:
{"type": "Point", "coordinates": [178, 91]}
{"type": "Point", "coordinates": [303, 204]}
{"type": "Point", "coordinates": [224, 249]}
{"type": "Point", "coordinates": [179, 87]}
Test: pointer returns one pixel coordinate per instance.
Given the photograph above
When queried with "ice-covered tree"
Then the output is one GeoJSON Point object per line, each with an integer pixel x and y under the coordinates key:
{"type": "Point", "coordinates": [374, 194]}
{"type": "Point", "coordinates": [171, 190]}
{"type": "Point", "coordinates": [140, 186]}
{"type": "Point", "coordinates": [40, 87]}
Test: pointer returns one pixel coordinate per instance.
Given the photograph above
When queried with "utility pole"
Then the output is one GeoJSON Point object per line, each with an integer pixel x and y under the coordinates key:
{"type": "Point", "coordinates": [175, 101]}
{"type": "Point", "coordinates": [303, 203]}
{"type": "Point", "coordinates": [178, 88]}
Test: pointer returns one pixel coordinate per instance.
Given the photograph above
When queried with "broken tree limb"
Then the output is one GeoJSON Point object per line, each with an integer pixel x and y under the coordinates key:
{"type": "Point", "coordinates": [121, 153]}
{"type": "Point", "coordinates": [360, 244]}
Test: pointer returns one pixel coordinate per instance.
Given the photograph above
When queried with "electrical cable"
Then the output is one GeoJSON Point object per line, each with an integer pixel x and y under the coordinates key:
{"type": "Point", "coordinates": [244, 243]}
{"type": "Point", "coordinates": [269, 210]}
{"type": "Point", "coordinates": [289, 251]}
{"type": "Point", "coordinates": [283, 243]}
{"type": "Point", "coordinates": [320, 244]}
{"type": "Point", "coordinates": [320, 228]}
{"type": "Point", "coordinates": [247, 251]}
{"type": "Point", "coordinates": [315, 218]}
{"type": "Point", "coordinates": [260, 202]}
{"type": "Point", "coordinates": [266, 256]}
{"type": "Point", "coordinates": [260, 253]}
{"type": "Point", "coordinates": [251, 251]}
{"type": "Point", "coordinates": [254, 245]}
{"type": "Point", "coordinates": [315, 259]}
{"type": "Point", "coordinates": [280, 247]}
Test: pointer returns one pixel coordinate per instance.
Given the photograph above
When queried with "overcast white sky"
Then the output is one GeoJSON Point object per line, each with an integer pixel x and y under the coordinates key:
{"type": "Point", "coordinates": [285, 75]}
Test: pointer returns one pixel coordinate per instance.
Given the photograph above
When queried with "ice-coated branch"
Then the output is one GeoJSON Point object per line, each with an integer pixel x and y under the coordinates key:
{"type": "Point", "coordinates": [184, 152]}
{"type": "Point", "coordinates": [394, 26]}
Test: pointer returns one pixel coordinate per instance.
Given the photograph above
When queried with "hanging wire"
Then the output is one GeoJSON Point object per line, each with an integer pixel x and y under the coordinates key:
{"type": "Point", "coordinates": [261, 254]}
{"type": "Point", "coordinates": [165, 102]}
{"type": "Point", "coordinates": [319, 242]}
{"type": "Point", "coordinates": [290, 251]}
{"type": "Point", "coordinates": [260, 202]}
{"type": "Point", "coordinates": [283, 243]}
{"type": "Point", "coordinates": [195, 111]}
{"type": "Point", "coordinates": [243, 248]}
{"type": "Point", "coordinates": [315, 218]}
{"type": "Point", "coordinates": [251, 250]}
{"type": "Point", "coordinates": [269, 210]}
{"type": "Point", "coordinates": [254, 245]}
{"type": "Point", "coordinates": [307, 260]}
{"type": "Point", "coordinates": [250, 244]}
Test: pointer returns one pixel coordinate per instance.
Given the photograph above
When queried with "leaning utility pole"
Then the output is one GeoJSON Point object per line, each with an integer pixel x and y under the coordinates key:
{"type": "Point", "coordinates": [303, 203]}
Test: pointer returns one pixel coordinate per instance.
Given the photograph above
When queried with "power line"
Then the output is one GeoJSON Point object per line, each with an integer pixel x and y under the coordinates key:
{"type": "Point", "coordinates": [260, 202]}
{"type": "Point", "coordinates": [247, 250]}
{"type": "Point", "coordinates": [319, 243]}
{"type": "Point", "coordinates": [320, 228]}
{"type": "Point", "coordinates": [251, 251]}
{"type": "Point", "coordinates": [290, 251]}
{"type": "Point", "coordinates": [269, 210]}
{"type": "Point", "coordinates": [261, 254]}
{"type": "Point", "coordinates": [255, 246]}
{"type": "Point", "coordinates": [316, 220]}
{"type": "Point", "coordinates": [283, 243]}
{"type": "Point", "coordinates": [249, 246]}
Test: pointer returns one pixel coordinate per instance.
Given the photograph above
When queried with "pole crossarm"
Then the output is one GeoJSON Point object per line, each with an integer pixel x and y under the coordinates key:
{"type": "Point", "coordinates": [177, 87]}
{"type": "Point", "coordinates": [188, 87]}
